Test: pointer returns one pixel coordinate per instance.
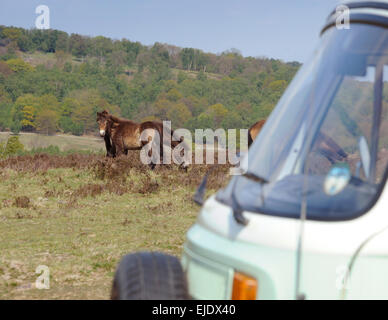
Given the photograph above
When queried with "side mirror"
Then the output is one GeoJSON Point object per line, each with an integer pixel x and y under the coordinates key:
{"type": "Point", "coordinates": [199, 196]}
{"type": "Point", "coordinates": [200, 193]}
{"type": "Point", "coordinates": [365, 155]}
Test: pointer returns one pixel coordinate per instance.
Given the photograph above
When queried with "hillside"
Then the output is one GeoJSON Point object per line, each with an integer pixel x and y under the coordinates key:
{"type": "Point", "coordinates": [52, 82]}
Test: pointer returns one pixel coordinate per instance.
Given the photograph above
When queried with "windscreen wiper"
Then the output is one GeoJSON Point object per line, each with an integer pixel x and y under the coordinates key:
{"type": "Point", "coordinates": [254, 177]}
{"type": "Point", "coordinates": [237, 210]}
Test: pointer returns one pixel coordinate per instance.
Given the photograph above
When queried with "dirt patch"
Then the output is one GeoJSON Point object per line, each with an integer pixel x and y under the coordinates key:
{"type": "Point", "coordinates": [90, 189]}
{"type": "Point", "coordinates": [22, 202]}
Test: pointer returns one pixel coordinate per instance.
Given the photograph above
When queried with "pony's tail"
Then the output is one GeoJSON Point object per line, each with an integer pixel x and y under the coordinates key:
{"type": "Point", "coordinates": [181, 139]}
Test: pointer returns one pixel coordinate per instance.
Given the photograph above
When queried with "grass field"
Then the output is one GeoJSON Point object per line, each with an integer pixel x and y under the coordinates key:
{"type": "Point", "coordinates": [63, 141]}
{"type": "Point", "coordinates": [79, 214]}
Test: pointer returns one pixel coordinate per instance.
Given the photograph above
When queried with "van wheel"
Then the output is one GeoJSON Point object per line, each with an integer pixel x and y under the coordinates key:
{"type": "Point", "coordinates": [149, 276]}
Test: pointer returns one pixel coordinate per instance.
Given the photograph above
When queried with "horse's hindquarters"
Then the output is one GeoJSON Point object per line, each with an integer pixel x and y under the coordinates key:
{"type": "Point", "coordinates": [132, 139]}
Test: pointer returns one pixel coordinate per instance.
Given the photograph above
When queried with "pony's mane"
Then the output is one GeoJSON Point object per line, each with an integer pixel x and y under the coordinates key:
{"type": "Point", "coordinates": [119, 120]}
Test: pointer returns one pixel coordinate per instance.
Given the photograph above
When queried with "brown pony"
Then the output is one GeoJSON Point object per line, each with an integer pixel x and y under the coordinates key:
{"type": "Point", "coordinates": [110, 149]}
{"type": "Point", "coordinates": [121, 135]}
{"type": "Point", "coordinates": [254, 130]}
{"type": "Point", "coordinates": [324, 144]}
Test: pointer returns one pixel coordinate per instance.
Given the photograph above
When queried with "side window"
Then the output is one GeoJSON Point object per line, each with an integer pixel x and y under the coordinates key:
{"type": "Point", "coordinates": [350, 117]}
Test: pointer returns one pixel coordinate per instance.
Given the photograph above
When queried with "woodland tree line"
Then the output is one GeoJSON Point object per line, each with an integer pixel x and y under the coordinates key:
{"type": "Point", "coordinates": [51, 81]}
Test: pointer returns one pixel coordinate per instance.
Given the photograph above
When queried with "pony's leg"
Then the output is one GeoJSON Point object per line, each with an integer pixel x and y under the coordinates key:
{"type": "Point", "coordinates": [152, 164]}
{"type": "Point", "coordinates": [156, 152]}
{"type": "Point", "coordinates": [161, 152]}
{"type": "Point", "coordinates": [183, 164]}
{"type": "Point", "coordinates": [154, 157]}
{"type": "Point", "coordinates": [110, 153]}
{"type": "Point", "coordinates": [119, 150]}
{"type": "Point", "coordinates": [113, 150]}
{"type": "Point", "coordinates": [108, 146]}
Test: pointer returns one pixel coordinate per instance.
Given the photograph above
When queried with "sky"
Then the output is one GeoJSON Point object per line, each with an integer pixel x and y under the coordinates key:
{"type": "Point", "coordinates": [280, 29]}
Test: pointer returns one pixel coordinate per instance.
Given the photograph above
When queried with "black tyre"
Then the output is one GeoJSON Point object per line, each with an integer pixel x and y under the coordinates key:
{"type": "Point", "coordinates": [149, 276]}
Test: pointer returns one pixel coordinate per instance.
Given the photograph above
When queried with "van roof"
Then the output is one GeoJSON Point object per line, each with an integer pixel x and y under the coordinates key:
{"type": "Point", "coordinates": [368, 12]}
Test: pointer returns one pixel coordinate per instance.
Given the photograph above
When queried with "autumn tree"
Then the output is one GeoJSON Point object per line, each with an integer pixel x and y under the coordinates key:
{"type": "Point", "coordinates": [18, 65]}
{"type": "Point", "coordinates": [178, 114]}
{"type": "Point", "coordinates": [162, 107]}
{"type": "Point", "coordinates": [77, 45]}
{"type": "Point", "coordinates": [217, 112]}
{"type": "Point", "coordinates": [174, 95]}
{"type": "Point", "coordinates": [46, 122]}
{"type": "Point", "coordinates": [61, 58]}
{"type": "Point", "coordinates": [28, 118]}
{"type": "Point", "coordinates": [245, 110]}
{"type": "Point", "coordinates": [5, 69]}
{"type": "Point", "coordinates": [11, 33]}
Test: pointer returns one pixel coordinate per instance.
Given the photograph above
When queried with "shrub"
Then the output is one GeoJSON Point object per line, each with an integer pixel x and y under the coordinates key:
{"type": "Point", "coordinates": [19, 65]}
{"type": "Point", "coordinates": [2, 150]}
{"type": "Point", "coordinates": [13, 146]}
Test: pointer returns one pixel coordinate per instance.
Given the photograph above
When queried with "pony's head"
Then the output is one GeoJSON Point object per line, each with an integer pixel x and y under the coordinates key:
{"type": "Point", "coordinates": [102, 120]}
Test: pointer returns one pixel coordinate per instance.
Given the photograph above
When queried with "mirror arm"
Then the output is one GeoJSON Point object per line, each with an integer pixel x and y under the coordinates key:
{"type": "Point", "coordinates": [199, 195]}
{"type": "Point", "coordinates": [358, 169]}
{"type": "Point", "coordinates": [377, 106]}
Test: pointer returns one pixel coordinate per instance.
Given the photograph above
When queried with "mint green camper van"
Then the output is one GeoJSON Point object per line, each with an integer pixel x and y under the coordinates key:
{"type": "Point", "coordinates": [308, 216]}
